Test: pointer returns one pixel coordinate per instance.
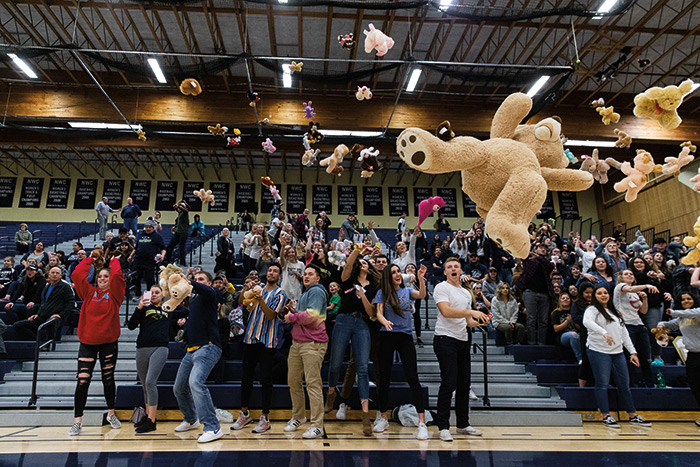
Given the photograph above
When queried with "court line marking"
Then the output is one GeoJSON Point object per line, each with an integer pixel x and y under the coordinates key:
{"type": "Point", "coordinates": [18, 432]}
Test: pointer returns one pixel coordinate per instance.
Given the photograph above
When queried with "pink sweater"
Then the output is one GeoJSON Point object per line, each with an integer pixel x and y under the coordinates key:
{"type": "Point", "coordinates": [308, 327]}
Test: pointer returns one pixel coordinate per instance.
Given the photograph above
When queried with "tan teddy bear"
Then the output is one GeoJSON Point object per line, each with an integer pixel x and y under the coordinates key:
{"type": "Point", "coordinates": [689, 145]}
{"type": "Point", "coordinates": [636, 176]}
{"type": "Point", "coordinates": [623, 139]}
{"type": "Point", "coordinates": [335, 160]}
{"type": "Point", "coordinates": [250, 297]}
{"type": "Point", "coordinates": [661, 104]}
{"type": "Point", "coordinates": [205, 195]}
{"type": "Point", "coordinates": [673, 165]}
{"type": "Point", "coordinates": [175, 285]}
{"type": "Point", "coordinates": [609, 115]}
{"type": "Point", "coordinates": [508, 175]}
{"type": "Point", "coordinates": [693, 255]}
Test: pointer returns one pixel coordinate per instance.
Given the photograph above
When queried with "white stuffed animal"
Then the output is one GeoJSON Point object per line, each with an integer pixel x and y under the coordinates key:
{"type": "Point", "coordinates": [376, 39]}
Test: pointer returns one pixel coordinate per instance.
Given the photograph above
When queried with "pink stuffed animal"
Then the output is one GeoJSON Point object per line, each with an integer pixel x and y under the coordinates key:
{"type": "Point", "coordinates": [268, 147]}
{"type": "Point", "coordinates": [636, 177]}
{"type": "Point", "coordinates": [673, 165]}
{"type": "Point", "coordinates": [376, 39]}
{"type": "Point", "coordinates": [429, 206]}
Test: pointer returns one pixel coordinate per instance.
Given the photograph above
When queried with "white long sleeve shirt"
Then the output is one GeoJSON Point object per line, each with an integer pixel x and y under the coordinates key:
{"type": "Point", "coordinates": [409, 256]}
{"type": "Point", "coordinates": [598, 326]}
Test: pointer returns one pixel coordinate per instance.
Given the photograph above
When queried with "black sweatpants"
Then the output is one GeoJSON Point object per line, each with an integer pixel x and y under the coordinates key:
{"type": "Point", "coordinates": [252, 355]}
{"type": "Point", "coordinates": [87, 355]}
{"type": "Point", "coordinates": [403, 343]}
{"type": "Point", "coordinates": [455, 375]}
{"type": "Point", "coordinates": [692, 370]}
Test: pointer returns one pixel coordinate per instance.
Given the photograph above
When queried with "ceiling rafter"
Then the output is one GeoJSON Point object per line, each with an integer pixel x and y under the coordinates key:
{"type": "Point", "coordinates": [109, 165]}
{"type": "Point", "coordinates": [18, 163]}
{"type": "Point", "coordinates": [70, 162]}
{"type": "Point", "coordinates": [216, 37]}
{"type": "Point", "coordinates": [34, 161]}
{"type": "Point", "coordinates": [122, 162]}
{"type": "Point", "coordinates": [52, 161]}
{"type": "Point", "coordinates": [97, 168]}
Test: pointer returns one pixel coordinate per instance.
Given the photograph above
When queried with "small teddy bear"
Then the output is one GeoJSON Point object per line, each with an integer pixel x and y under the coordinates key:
{"type": "Point", "coordinates": [673, 165]}
{"type": "Point", "coordinates": [609, 115]}
{"type": "Point", "coordinates": [661, 104]}
{"type": "Point", "coordinates": [174, 285]}
{"type": "Point", "coordinates": [205, 195]}
{"type": "Point", "coordinates": [661, 335]}
{"type": "Point", "coordinates": [190, 87]}
{"type": "Point", "coordinates": [693, 255]}
{"type": "Point", "coordinates": [308, 110]}
{"type": "Point", "coordinates": [347, 41]}
{"type": "Point", "coordinates": [689, 145]}
{"type": "Point", "coordinates": [639, 245]}
{"type": "Point", "coordinates": [368, 162]}
{"type": "Point", "coordinates": [596, 167]}
{"type": "Point", "coordinates": [250, 297]}
{"type": "Point", "coordinates": [141, 134]}
{"type": "Point", "coordinates": [217, 130]}
{"type": "Point", "coordinates": [295, 66]}
{"type": "Point", "coordinates": [309, 157]}
{"type": "Point", "coordinates": [623, 139]}
{"type": "Point", "coordinates": [335, 160]}
{"type": "Point", "coordinates": [376, 39]}
{"type": "Point", "coordinates": [363, 93]}
{"type": "Point", "coordinates": [636, 176]}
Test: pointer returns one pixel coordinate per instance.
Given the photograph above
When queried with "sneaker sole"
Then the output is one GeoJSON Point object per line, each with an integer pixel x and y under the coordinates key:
{"type": "Point", "coordinates": [211, 440]}
{"type": "Point", "coordinates": [256, 431]}
{"type": "Point", "coordinates": [186, 429]}
{"type": "Point", "coordinates": [233, 427]}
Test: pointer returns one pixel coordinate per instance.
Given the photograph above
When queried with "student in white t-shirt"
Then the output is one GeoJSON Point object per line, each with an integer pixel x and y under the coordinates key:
{"type": "Point", "coordinates": [631, 301]}
{"type": "Point", "coordinates": [451, 345]}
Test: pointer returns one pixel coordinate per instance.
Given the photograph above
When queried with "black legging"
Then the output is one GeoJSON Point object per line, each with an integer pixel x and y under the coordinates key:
{"type": "Point", "coordinates": [416, 317]}
{"type": "Point", "coordinates": [87, 355]}
{"type": "Point", "coordinates": [179, 239]}
{"type": "Point", "coordinates": [252, 355]}
{"type": "Point", "coordinates": [403, 343]}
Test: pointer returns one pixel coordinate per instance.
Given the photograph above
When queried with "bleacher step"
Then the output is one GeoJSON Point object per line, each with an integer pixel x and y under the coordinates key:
{"type": "Point", "coordinates": [48, 418]}
{"type": "Point", "coordinates": [481, 418]}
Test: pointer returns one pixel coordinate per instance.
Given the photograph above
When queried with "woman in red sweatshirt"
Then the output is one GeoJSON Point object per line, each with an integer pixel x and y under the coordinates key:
{"type": "Point", "coordinates": [98, 331]}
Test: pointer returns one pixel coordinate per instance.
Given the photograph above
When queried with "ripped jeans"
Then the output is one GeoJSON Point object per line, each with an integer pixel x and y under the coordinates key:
{"type": "Point", "coordinates": [87, 355]}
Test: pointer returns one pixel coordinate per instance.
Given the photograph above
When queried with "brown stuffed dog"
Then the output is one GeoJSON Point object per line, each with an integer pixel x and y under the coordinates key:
{"type": "Point", "coordinates": [508, 175]}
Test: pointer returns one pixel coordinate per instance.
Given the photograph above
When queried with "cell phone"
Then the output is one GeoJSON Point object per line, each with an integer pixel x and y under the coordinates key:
{"type": "Point", "coordinates": [147, 297]}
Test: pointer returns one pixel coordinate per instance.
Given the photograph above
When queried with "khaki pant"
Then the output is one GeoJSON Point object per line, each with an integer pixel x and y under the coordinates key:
{"type": "Point", "coordinates": [305, 360]}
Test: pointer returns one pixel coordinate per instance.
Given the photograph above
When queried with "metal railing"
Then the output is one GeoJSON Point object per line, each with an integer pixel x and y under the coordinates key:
{"type": "Point", "coordinates": [59, 229]}
{"type": "Point", "coordinates": [52, 342]}
{"type": "Point", "coordinates": [80, 229]}
{"type": "Point", "coordinates": [482, 347]}
{"type": "Point", "coordinates": [114, 220]}
{"type": "Point", "coordinates": [36, 237]}
{"type": "Point", "coordinates": [97, 229]}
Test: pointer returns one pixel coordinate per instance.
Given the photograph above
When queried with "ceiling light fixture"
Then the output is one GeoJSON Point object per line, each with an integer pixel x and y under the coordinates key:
{"type": "Point", "coordinates": [593, 144]}
{"type": "Point", "coordinates": [104, 126]}
{"type": "Point", "coordinates": [538, 85]}
{"type": "Point", "coordinates": [359, 134]}
{"type": "Point", "coordinates": [286, 76]}
{"type": "Point", "coordinates": [414, 80]}
{"type": "Point", "coordinates": [607, 6]}
{"type": "Point", "coordinates": [156, 70]}
{"type": "Point", "coordinates": [23, 66]}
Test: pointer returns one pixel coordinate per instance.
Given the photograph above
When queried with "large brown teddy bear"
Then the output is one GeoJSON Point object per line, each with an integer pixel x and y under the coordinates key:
{"type": "Point", "coordinates": [174, 285]}
{"type": "Point", "coordinates": [508, 175]}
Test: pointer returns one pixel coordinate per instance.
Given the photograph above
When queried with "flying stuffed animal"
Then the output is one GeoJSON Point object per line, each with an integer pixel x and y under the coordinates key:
{"type": "Point", "coordinates": [689, 145]}
{"type": "Point", "coordinates": [570, 155]}
{"type": "Point", "coordinates": [190, 87]}
{"type": "Point", "coordinates": [376, 39]}
{"type": "Point", "coordinates": [661, 104]}
{"type": "Point", "coordinates": [335, 160]}
{"type": "Point", "coordinates": [141, 134]}
{"type": "Point", "coordinates": [266, 181]}
{"type": "Point", "coordinates": [296, 66]}
{"type": "Point", "coordinates": [444, 131]}
{"type": "Point", "coordinates": [691, 241]}
{"type": "Point", "coordinates": [268, 147]}
{"type": "Point", "coordinates": [609, 115]}
{"type": "Point", "coordinates": [429, 206]}
{"type": "Point", "coordinates": [313, 135]}
{"type": "Point", "coordinates": [253, 98]}
{"type": "Point", "coordinates": [205, 195]}
{"type": "Point", "coordinates": [636, 175]}
{"type": "Point", "coordinates": [639, 245]}
{"type": "Point", "coordinates": [309, 157]}
{"type": "Point", "coordinates": [218, 130]}
{"type": "Point", "coordinates": [597, 102]}
{"type": "Point", "coordinates": [232, 141]}
{"type": "Point", "coordinates": [308, 110]}
{"type": "Point", "coordinates": [363, 93]}
{"type": "Point", "coordinates": [347, 41]}
{"type": "Point", "coordinates": [594, 166]}
{"type": "Point", "coordinates": [623, 139]}
{"type": "Point", "coordinates": [368, 162]}
{"type": "Point", "coordinates": [673, 165]}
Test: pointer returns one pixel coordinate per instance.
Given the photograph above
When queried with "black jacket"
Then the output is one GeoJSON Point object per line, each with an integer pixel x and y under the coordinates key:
{"type": "Point", "coordinates": [61, 301]}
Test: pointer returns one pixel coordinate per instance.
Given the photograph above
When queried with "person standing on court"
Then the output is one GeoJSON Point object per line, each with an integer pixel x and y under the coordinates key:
{"type": "Point", "coordinates": [103, 209]}
{"type": "Point", "coordinates": [203, 352]}
{"type": "Point", "coordinates": [130, 214]}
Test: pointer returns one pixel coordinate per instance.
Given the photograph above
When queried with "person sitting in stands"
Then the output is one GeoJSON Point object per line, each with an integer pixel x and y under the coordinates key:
{"type": "Point", "coordinates": [505, 315]}
{"type": "Point", "coordinates": [40, 256]}
{"type": "Point", "coordinates": [26, 295]}
{"type": "Point", "coordinates": [23, 239]}
{"type": "Point", "coordinates": [565, 328]}
{"type": "Point", "coordinates": [8, 274]}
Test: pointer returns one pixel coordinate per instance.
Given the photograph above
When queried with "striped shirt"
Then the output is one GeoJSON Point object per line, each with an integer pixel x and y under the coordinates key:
{"type": "Point", "coordinates": [260, 329]}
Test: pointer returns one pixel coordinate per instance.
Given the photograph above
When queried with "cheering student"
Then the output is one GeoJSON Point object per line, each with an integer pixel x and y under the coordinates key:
{"type": "Point", "coordinates": [451, 346]}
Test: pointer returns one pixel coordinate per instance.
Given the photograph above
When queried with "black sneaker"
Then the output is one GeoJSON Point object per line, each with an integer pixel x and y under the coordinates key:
{"type": "Point", "coordinates": [146, 426]}
{"type": "Point", "coordinates": [141, 422]}
{"type": "Point", "coordinates": [610, 422]}
{"type": "Point", "coordinates": [639, 421]}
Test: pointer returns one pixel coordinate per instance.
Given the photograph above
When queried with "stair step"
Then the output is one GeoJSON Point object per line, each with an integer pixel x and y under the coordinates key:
{"type": "Point", "coordinates": [47, 417]}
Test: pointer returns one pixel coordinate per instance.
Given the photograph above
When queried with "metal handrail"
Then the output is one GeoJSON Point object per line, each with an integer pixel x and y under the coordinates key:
{"type": "Point", "coordinates": [36, 237]}
{"type": "Point", "coordinates": [55, 238]}
{"type": "Point", "coordinates": [113, 221]}
{"type": "Point", "coordinates": [80, 229]}
{"type": "Point", "coordinates": [483, 348]}
{"type": "Point", "coordinates": [97, 229]}
{"type": "Point", "coordinates": [37, 348]}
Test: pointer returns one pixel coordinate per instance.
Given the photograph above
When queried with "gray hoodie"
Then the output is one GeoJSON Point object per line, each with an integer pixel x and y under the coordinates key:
{"type": "Point", "coordinates": [688, 321]}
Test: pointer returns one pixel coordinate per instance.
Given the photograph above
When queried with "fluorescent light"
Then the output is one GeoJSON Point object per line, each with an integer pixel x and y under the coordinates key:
{"type": "Point", "coordinates": [607, 6]}
{"type": "Point", "coordinates": [597, 17]}
{"type": "Point", "coordinates": [359, 134]}
{"type": "Point", "coordinates": [23, 66]}
{"type": "Point", "coordinates": [104, 126]}
{"type": "Point", "coordinates": [156, 70]}
{"type": "Point", "coordinates": [286, 76]}
{"type": "Point", "coordinates": [414, 80]}
{"type": "Point", "coordinates": [337, 132]}
{"type": "Point", "coordinates": [445, 4]}
{"type": "Point", "coordinates": [592, 144]}
{"type": "Point", "coordinates": [366, 134]}
{"type": "Point", "coordinates": [537, 86]}
{"type": "Point", "coordinates": [283, 1]}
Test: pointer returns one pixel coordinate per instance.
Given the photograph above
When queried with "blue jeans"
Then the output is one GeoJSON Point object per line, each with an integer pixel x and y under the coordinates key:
{"type": "Point", "coordinates": [190, 386]}
{"type": "Point", "coordinates": [573, 340]}
{"type": "Point", "coordinates": [603, 365]}
{"type": "Point", "coordinates": [348, 329]}
{"type": "Point", "coordinates": [131, 224]}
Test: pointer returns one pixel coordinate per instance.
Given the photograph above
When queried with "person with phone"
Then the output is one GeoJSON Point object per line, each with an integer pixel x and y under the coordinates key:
{"type": "Point", "coordinates": [451, 346]}
{"type": "Point", "coordinates": [151, 351]}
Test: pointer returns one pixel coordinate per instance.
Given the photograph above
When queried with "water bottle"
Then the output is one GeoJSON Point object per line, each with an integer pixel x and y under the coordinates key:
{"type": "Point", "coordinates": [660, 380]}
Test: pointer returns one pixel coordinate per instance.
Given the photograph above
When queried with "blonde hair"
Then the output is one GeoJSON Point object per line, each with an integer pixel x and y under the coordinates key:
{"type": "Point", "coordinates": [500, 292]}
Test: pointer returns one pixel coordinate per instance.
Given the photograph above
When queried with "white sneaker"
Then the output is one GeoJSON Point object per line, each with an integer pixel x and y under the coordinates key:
{"type": "Point", "coordinates": [372, 384]}
{"type": "Point", "coordinates": [75, 429]}
{"type": "Point", "coordinates": [263, 425]}
{"type": "Point", "coordinates": [381, 425]}
{"type": "Point", "coordinates": [114, 421]}
{"type": "Point", "coordinates": [473, 396]}
{"type": "Point", "coordinates": [293, 424]}
{"type": "Point", "coordinates": [342, 411]}
{"type": "Point", "coordinates": [470, 430]}
{"type": "Point", "coordinates": [422, 431]}
{"type": "Point", "coordinates": [445, 435]}
{"type": "Point", "coordinates": [186, 426]}
{"type": "Point", "coordinates": [209, 436]}
{"type": "Point", "coordinates": [313, 433]}
{"type": "Point", "coordinates": [242, 421]}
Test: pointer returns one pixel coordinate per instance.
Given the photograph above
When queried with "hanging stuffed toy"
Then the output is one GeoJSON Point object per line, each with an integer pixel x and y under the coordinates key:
{"type": "Point", "coordinates": [266, 181]}
{"type": "Point", "coordinates": [347, 41]}
{"type": "Point", "coordinates": [609, 115]}
{"type": "Point", "coordinates": [636, 176]}
{"type": "Point", "coordinates": [190, 87]}
{"type": "Point", "coordinates": [233, 141]}
{"type": "Point", "coordinates": [444, 131]}
{"type": "Point", "coordinates": [368, 162]}
{"type": "Point", "coordinates": [218, 130]}
{"type": "Point", "coordinates": [295, 66]}
{"type": "Point", "coordinates": [363, 93]}
{"type": "Point", "coordinates": [308, 110]}
{"type": "Point", "coordinates": [696, 181]}
{"type": "Point", "coordinates": [253, 98]}
{"type": "Point", "coordinates": [309, 157]}
{"type": "Point", "coordinates": [673, 165]}
{"type": "Point", "coordinates": [597, 102]}
{"type": "Point", "coordinates": [268, 147]}
{"type": "Point", "coordinates": [141, 134]}
{"type": "Point", "coordinates": [691, 241]}
{"type": "Point", "coordinates": [428, 207]}
{"type": "Point", "coordinates": [623, 139]}
{"type": "Point", "coordinates": [335, 160]}
{"type": "Point", "coordinates": [313, 135]}
{"type": "Point", "coordinates": [376, 39]}
{"type": "Point", "coordinates": [661, 104]}
{"type": "Point", "coordinates": [690, 146]}
{"type": "Point", "coordinates": [594, 166]}
{"type": "Point", "coordinates": [205, 195]}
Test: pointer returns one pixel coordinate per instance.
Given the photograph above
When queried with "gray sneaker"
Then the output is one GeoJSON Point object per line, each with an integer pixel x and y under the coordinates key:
{"type": "Point", "coordinates": [114, 421]}
{"type": "Point", "coordinates": [75, 429]}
